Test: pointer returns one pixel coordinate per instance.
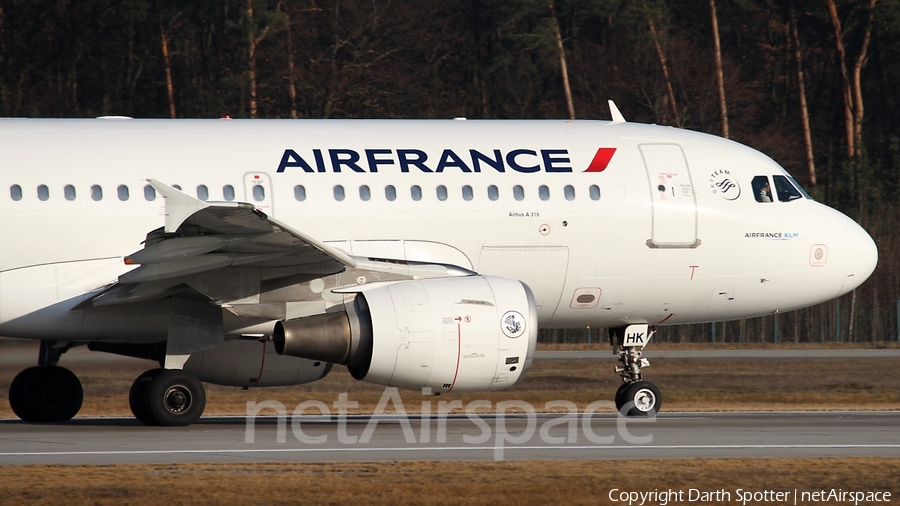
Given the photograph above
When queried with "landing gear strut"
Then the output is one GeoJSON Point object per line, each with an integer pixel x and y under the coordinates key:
{"type": "Point", "coordinates": [47, 392]}
{"type": "Point", "coordinates": [635, 397]}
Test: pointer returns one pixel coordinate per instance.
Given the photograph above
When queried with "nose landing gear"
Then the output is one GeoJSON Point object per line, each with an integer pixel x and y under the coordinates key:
{"type": "Point", "coordinates": [635, 397]}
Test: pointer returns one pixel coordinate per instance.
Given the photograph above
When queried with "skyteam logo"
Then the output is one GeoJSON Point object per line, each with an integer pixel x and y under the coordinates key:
{"type": "Point", "coordinates": [724, 185]}
{"type": "Point", "coordinates": [524, 161]}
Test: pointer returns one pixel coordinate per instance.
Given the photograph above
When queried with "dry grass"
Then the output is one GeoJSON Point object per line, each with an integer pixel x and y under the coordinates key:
{"type": "Point", "coordinates": [687, 384]}
{"type": "Point", "coordinates": [528, 482]}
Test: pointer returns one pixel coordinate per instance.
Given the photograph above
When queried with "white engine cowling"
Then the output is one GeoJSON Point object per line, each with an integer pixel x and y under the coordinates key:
{"type": "Point", "coordinates": [475, 333]}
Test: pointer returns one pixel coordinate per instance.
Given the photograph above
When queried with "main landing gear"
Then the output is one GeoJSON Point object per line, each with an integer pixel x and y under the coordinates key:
{"type": "Point", "coordinates": [635, 397]}
{"type": "Point", "coordinates": [46, 392]}
{"type": "Point", "coordinates": [168, 397]}
{"type": "Point", "coordinates": [49, 393]}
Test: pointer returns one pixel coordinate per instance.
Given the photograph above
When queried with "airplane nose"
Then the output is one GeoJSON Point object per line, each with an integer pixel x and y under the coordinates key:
{"type": "Point", "coordinates": [861, 259]}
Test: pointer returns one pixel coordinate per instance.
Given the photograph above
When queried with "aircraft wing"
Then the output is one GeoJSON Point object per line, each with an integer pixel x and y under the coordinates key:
{"type": "Point", "coordinates": [204, 237]}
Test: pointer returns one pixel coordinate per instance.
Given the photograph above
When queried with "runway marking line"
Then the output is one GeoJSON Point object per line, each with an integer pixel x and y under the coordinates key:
{"type": "Point", "coordinates": [451, 448]}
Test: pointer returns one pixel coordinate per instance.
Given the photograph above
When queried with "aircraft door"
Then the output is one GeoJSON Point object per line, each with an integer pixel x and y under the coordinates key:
{"type": "Point", "coordinates": [258, 191]}
{"type": "Point", "coordinates": [672, 193]}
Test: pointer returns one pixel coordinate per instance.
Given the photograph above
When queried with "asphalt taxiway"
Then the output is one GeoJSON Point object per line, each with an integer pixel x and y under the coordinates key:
{"type": "Point", "coordinates": [458, 437]}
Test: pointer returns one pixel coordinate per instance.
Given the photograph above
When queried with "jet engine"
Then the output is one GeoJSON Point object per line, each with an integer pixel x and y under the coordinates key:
{"type": "Point", "coordinates": [475, 333]}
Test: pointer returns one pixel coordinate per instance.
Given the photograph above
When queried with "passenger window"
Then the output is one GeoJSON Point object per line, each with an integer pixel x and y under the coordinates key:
{"type": "Point", "coordinates": [228, 192]}
{"type": "Point", "coordinates": [338, 192]}
{"type": "Point", "coordinates": [300, 193]}
{"type": "Point", "coordinates": [96, 193]}
{"type": "Point", "coordinates": [177, 187]}
{"type": "Point", "coordinates": [122, 190]}
{"type": "Point", "coordinates": [467, 193]}
{"type": "Point", "coordinates": [364, 193]}
{"type": "Point", "coordinates": [493, 193]}
{"type": "Point", "coordinates": [259, 193]}
{"type": "Point", "coordinates": [785, 190]}
{"type": "Point", "coordinates": [569, 192]}
{"type": "Point", "coordinates": [69, 192]}
{"type": "Point", "coordinates": [595, 192]}
{"type": "Point", "coordinates": [149, 193]}
{"type": "Point", "coordinates": [544, 192]}
{"type": "Point", "coordinates": [390, 193]}
{"type": "Point", "coordinates": [416, 192]}
{"type": "Point", "coordinates": [442, 193]}
{"type": "Point", "coordinates": [15, 192]}
{"type": "Point", "coordinates": [518, 192]}
{"type": "Point", "coordinates": [43, 193]}
{"type": "Point", "coordinates": [203, 192]}
{"type": "Point", "coordinates": [761, 189]}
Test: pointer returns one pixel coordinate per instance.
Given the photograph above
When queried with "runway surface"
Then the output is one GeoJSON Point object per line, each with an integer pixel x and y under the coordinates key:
{"type": "Point", "coordinates": [489, 437]}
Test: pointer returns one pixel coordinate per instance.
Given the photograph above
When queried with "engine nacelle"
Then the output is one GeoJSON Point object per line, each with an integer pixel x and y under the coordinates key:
{"type": "Point", "coordinates": [250, 363]}
{"type": "Point", "coordinates": [475, 333]}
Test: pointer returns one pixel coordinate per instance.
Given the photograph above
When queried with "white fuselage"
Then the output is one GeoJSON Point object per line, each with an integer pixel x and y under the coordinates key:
{"type": "Point", "coordinates": [672, 233]}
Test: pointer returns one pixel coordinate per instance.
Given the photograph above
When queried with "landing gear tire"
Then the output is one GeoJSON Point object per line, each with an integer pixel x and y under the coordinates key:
{"type": "Point", "coordinates": [640, 398]}
{"type": "Point", "coordinates": [138, 394]}
{"type": "Point", "coordinates": [17, 393]}
{"type": "Point", "coordinates": [46, 394]}
{"type": "Point", "coordinates": [620, 395]}
{"type": "Point", "coordinates": [174, 398]}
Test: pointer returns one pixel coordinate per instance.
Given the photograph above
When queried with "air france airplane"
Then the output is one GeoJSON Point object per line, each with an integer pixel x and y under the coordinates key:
{"type": "Point", "coordinates": [421, 253]}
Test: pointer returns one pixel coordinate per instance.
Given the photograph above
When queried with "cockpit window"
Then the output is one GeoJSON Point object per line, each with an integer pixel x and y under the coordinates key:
{"type": "Point", "coordinates": [761, 189]}
{"type": "Point", "coordinates": [785, 190]}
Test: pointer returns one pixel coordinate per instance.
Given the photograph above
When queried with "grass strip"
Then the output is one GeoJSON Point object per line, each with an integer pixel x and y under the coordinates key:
{"type": "Point", "coordinates": [439, 483]}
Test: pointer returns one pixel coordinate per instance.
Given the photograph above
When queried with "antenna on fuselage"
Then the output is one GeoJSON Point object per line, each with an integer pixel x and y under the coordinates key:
{"type": "Point", "coordinates": [614, 112]}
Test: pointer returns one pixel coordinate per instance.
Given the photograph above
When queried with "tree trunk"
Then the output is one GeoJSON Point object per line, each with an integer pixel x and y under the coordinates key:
{"type": "Point", "coordinates": [292, 81]}
{"type": "Point", "coordinates": [857, 77]}
{"type": "Point", "coordinates": [562, 64]}
{"type": "Point", "coordinates": [251, 57]}
{"type": "Point", "coordinates": [845, 80]}
{"type": "Point", "coordinates": [720, 79]}
{"type": "Point", "coordinates": [664, 66]}
{"type": "Point", "coordinates": [252, 42]}
{"type": "Point", "coordinates": [801, 91]}
{"type": "Point", "coordinates": [164, 43]}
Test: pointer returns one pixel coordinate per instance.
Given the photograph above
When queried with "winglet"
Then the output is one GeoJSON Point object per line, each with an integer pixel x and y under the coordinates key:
{"type": "Point", "coordinates": [616, 115]}
{"type": "Point", "coordinates": [179, 206]}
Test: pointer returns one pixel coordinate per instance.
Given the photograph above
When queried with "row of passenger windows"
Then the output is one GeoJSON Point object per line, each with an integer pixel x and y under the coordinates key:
{"type": "Point", "coordinates": [442, 193]}
{"type": "Point", "coordinates": [259, 192]}
{"type": "Point", "coordinates": [124, 193]}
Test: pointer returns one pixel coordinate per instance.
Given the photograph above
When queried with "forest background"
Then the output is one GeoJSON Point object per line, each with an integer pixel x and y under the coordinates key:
{"type": "Point", "coordinates": [815, 84]}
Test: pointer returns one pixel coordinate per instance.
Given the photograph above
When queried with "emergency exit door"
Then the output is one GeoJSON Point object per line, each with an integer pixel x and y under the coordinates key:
{"type": "Point", "coordinates": [258, 191]}
{"type": "Point", "coordinates": [674, 221]}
